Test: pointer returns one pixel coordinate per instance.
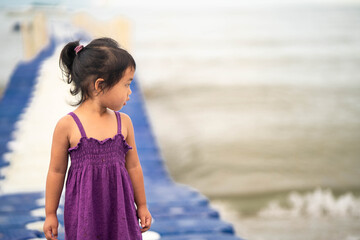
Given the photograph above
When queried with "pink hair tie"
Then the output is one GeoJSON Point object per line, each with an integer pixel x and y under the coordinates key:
{"type": "Point", "coordinates": [78, 49]}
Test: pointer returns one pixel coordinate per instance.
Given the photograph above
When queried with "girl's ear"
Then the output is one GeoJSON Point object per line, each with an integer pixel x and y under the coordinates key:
{"type": "Point", "coordinates": [99, 85]}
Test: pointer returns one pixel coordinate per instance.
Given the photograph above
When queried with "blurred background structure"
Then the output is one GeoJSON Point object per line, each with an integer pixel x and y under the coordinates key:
{"type": "Point", "coordinates": [254, 104]}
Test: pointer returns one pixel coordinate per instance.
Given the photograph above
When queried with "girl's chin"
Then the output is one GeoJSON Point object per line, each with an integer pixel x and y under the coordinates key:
{"type": "Point", "coordinates": [118, 108]}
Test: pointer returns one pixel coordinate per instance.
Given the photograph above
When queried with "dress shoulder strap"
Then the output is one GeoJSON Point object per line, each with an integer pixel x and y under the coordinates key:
{"type": "Point", "coordinates": [118, 121]}
{"type": "Point", "coordinates": [78, 123]}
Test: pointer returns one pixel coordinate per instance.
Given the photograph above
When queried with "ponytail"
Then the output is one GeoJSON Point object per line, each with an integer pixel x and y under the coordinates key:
{"type": "Point", "coordinates": [67, 57]}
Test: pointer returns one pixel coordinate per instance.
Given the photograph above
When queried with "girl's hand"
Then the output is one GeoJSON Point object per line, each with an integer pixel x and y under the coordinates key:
{"type": "Point", "coordinates": [51, 227]}
{"type": "Point", "coordinates": [145, 218]}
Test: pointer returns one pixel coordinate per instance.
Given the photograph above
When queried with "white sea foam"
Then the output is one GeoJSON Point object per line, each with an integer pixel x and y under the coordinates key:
{"type": "Point", "coordinates": [319, 203]}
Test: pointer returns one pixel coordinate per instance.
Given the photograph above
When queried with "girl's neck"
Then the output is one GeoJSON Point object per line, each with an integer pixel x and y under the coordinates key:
{"type": "Point", "coordinates": [93, 108]}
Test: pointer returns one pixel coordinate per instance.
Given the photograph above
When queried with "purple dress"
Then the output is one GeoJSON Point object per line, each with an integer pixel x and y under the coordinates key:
{"type": "Point", "coordinates": [99, 196]}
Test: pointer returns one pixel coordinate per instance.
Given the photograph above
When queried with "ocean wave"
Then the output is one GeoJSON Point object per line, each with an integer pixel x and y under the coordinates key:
{"type": "Point", "coordinates": [319, 203]}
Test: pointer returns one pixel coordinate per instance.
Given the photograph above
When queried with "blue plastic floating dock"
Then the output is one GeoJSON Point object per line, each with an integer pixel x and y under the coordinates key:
{"type": "Point", "coordinates": [179, 212]}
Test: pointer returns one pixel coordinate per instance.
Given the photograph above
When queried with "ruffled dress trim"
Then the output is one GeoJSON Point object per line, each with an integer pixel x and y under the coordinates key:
{"type": "Point", "coordinates": [101, 142]}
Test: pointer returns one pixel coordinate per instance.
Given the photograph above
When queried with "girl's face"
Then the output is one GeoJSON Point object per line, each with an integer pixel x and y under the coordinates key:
{"type": "Point", "coordinates": [116, 97]}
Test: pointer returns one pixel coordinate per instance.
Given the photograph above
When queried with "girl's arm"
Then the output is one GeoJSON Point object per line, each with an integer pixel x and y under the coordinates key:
{"type": "Point", "coordinates": [134, 169]}
{"type": "Point", "coordinates": [56, 173]}
{"type": "Point", "coordinates": [132, 164]}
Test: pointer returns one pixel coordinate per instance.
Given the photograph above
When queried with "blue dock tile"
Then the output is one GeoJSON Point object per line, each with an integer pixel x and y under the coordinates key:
{"type": "Point", "coordinates": [191, 226]}
{"type": "Point", "coordinates": [168, 200]}
{"type": "Point", "coordinates": [17, 233]}
{"type": "Point", "coordinates": [18, 203]}
{"type": "Point", "coordinates": [212, 236]}
{"type": "Point", "coordinates": [12, 220]}
{"type": "Point", "coordinates": [186, 211]}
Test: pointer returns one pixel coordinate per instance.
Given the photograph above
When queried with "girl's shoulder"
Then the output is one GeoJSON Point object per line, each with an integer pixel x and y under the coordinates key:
{"type": "Point", "coordinates": [62, 129]}
{"type": "Point", "coordinates": [126, 124]}
{"type": "Point", "coordinates": [125, 117]}
{"type": "Point", "coordinates": [126, 120]}
{"type": "Point", "coordinates": [65, 124]}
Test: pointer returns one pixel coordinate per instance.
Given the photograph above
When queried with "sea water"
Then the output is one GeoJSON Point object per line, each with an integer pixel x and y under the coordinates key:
{"type": "Point", "coordinates": [257, 106]}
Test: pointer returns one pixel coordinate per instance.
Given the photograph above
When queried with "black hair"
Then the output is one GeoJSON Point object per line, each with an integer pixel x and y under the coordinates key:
{"type": "Point", "coordinates": [101, 58]}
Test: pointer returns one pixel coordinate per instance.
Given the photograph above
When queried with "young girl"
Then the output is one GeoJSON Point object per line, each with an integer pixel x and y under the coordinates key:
{"type": "Point", "coordinates": [105, 178]}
